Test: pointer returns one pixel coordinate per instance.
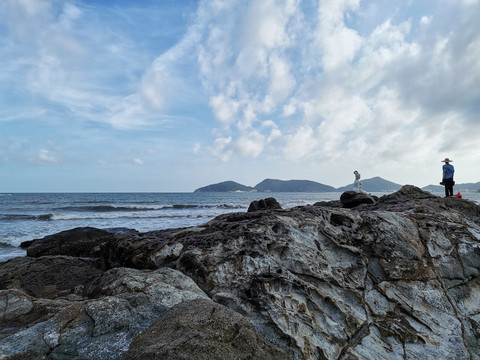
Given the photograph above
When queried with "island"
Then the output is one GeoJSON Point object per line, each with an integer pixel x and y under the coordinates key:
{"type": "Point", "coordinates": [375, 184]}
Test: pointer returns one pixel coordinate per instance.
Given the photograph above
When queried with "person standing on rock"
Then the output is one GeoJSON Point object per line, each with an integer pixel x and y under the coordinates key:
{"type": "Point", "coordinates": [447, 179]}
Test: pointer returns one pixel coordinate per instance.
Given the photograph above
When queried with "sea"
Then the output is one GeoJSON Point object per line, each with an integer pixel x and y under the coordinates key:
{"type": "Point", "coordinates": [25, 216]}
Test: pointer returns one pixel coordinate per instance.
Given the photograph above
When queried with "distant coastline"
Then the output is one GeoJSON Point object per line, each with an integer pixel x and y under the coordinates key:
{"type": "Point", "coordinates": [375, 184]}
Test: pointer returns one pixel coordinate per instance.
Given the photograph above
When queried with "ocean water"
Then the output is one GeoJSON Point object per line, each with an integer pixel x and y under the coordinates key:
{"type": "Point", "coordinates": [31, 216]}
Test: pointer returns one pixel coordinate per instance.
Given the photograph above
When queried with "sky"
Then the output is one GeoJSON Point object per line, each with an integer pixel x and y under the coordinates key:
{"type": "Point", "coordinates": [170, 96]}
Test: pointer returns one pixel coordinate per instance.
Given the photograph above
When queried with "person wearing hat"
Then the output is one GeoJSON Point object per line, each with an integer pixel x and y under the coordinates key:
{"type": "Point", "coordinates": [447, 180]}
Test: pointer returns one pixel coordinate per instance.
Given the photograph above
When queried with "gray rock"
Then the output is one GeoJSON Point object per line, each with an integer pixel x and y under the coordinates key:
{"type": "Point", "coordinates": [202, 330]}
{"type": "Point", "coordinates": [80, 242]}
{"type": "Point", "coordinates": [125, 302]}
{"type": "Point", "coordinates": [48, 276]}
{"type": "Point", "coordinates": [351, 199]}
{"type": "Point", "coordinates": [264, 204]}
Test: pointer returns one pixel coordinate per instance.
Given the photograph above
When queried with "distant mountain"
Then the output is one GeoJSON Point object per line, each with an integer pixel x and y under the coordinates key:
{"type": "Point", "coordinates": [468, 187]}
{"type": "Point", "coordinates": [434, 188]}
{"type": "Point", "coordinates": [273, 185]}
{"type": "Point", "coordinates": [465, 187]}
{"type": "Point", "coordinates": [226, 186]}
{"type": "Point", "coordinates": [269, 185]}
{"type": "Point", "coordinates": [376, 184]}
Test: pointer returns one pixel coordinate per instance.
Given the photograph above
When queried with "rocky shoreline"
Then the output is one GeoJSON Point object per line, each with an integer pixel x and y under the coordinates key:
{"type": "Point", "coordinates": [390, 278]}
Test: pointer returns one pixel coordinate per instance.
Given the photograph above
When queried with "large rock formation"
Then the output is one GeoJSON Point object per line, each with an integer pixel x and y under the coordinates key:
{"type": "Point", "coordinates": [397, 279]}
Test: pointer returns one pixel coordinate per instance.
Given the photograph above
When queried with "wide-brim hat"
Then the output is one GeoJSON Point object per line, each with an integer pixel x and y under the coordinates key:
{"type": "Point", "coordinates": [447, 160]}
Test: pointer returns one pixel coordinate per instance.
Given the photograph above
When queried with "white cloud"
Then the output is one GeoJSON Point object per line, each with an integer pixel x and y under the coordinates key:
{"type": "Point", "coordinates": [225, 109]}
{"type": "Point", "coordinates": [343, 114]}
{"type": "Point", "coordinates": [154, 89]}
{"type": "Point", "coordinates": [222, 148]}
{"type": "Point", "coordinates": [197, 148]}
{"type": "Point", "coordinates": [275, 135]}
{"type": "Point", "coordinates": [425, 20]}
{"type": "Point", "coordinates": [250, 144]}
{"type": "Point", "coordinates": [245, 68]}
{"type": "Point", "coordinates": [282, 82]}
{"type": "Point", "coordinates": [47, 156]}
{"type": "Point", "coordinates": [137, 161]}
{"type": "Point", "coordinates": [26, 19]}
{"type": "Point", "coordinates": [289, 109]}
{"type": "Point", "coordinates": [162, 81]}
{"type": "Point", "coordinates": [338, 42]}
{"type": "Point", "coordinates": [301, 144]}
{"type": "Point", "coordinates": [64, 54]}
{"type": "Point", "coordinates": [126, 113]}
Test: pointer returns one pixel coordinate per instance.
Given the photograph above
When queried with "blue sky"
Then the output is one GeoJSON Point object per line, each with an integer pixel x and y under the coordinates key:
{"type": "Point", "coordinates": [174, 95]}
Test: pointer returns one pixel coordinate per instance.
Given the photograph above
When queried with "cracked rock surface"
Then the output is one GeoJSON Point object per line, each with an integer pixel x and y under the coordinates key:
{"type": "Point", "coordinates": [397, 279]}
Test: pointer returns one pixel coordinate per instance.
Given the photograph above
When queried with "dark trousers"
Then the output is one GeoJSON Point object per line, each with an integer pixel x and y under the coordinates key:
{"type": "Point", "coordinates": [448, 186]}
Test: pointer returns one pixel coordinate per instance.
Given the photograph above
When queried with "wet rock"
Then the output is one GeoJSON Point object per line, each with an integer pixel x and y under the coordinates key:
{"type": "Point", "coordinates": [264, 204]}
{"type": "Point", "coordinates": [202, 330]}
{"type": "Point", "coordinates": [80, 242]}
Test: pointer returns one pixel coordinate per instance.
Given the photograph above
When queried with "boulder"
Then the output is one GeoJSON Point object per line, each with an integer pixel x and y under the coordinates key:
{"type": "Point", "coordinates": [202, 330]}
{"type": "Point", "coordinates": [331, 204]}
{"type": "Point", "coordinates": [351, 199]}
{"type": "Point", "coordinates": [48, 277]}
{"type": "Point", "coordinates": [264, 204]}
{"type": "Point", "coordinates": [80, 242]}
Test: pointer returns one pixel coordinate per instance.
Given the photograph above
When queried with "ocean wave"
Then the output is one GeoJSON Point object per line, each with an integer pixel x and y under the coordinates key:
{"type": "Point", "coordinates": [9, 251]}
{"type": "Point", "coordinates": [195, 206]}
{"type": "Point", "coordinates": [105, 208]}
{"type": "Point", "coordinates": [231, 206]}
{"type": "Point", "coordinates": [12, 217]}
{"type": "Point", "coordinates": [127, 216]}
{"type": "Point", "coordinates": [6, 245]}
{"type": "Point", "coordinates": [181, 206]}
{"type": "Point", "coordinates": [115, 208]}
{"type": "Point", "coordinates": [127, 212]}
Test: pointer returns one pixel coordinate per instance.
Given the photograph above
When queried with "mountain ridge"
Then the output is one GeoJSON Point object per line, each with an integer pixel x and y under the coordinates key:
{"type": "Point", "coordinates": [375, 184]}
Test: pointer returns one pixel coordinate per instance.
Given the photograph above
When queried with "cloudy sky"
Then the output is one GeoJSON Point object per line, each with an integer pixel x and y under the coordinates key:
{"type": "Point", "coordinates": [169, 95]}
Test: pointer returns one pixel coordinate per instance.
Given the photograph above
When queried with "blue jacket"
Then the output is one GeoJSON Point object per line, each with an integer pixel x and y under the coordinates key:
{"type": "Point", "coordinates": [448, 171]}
